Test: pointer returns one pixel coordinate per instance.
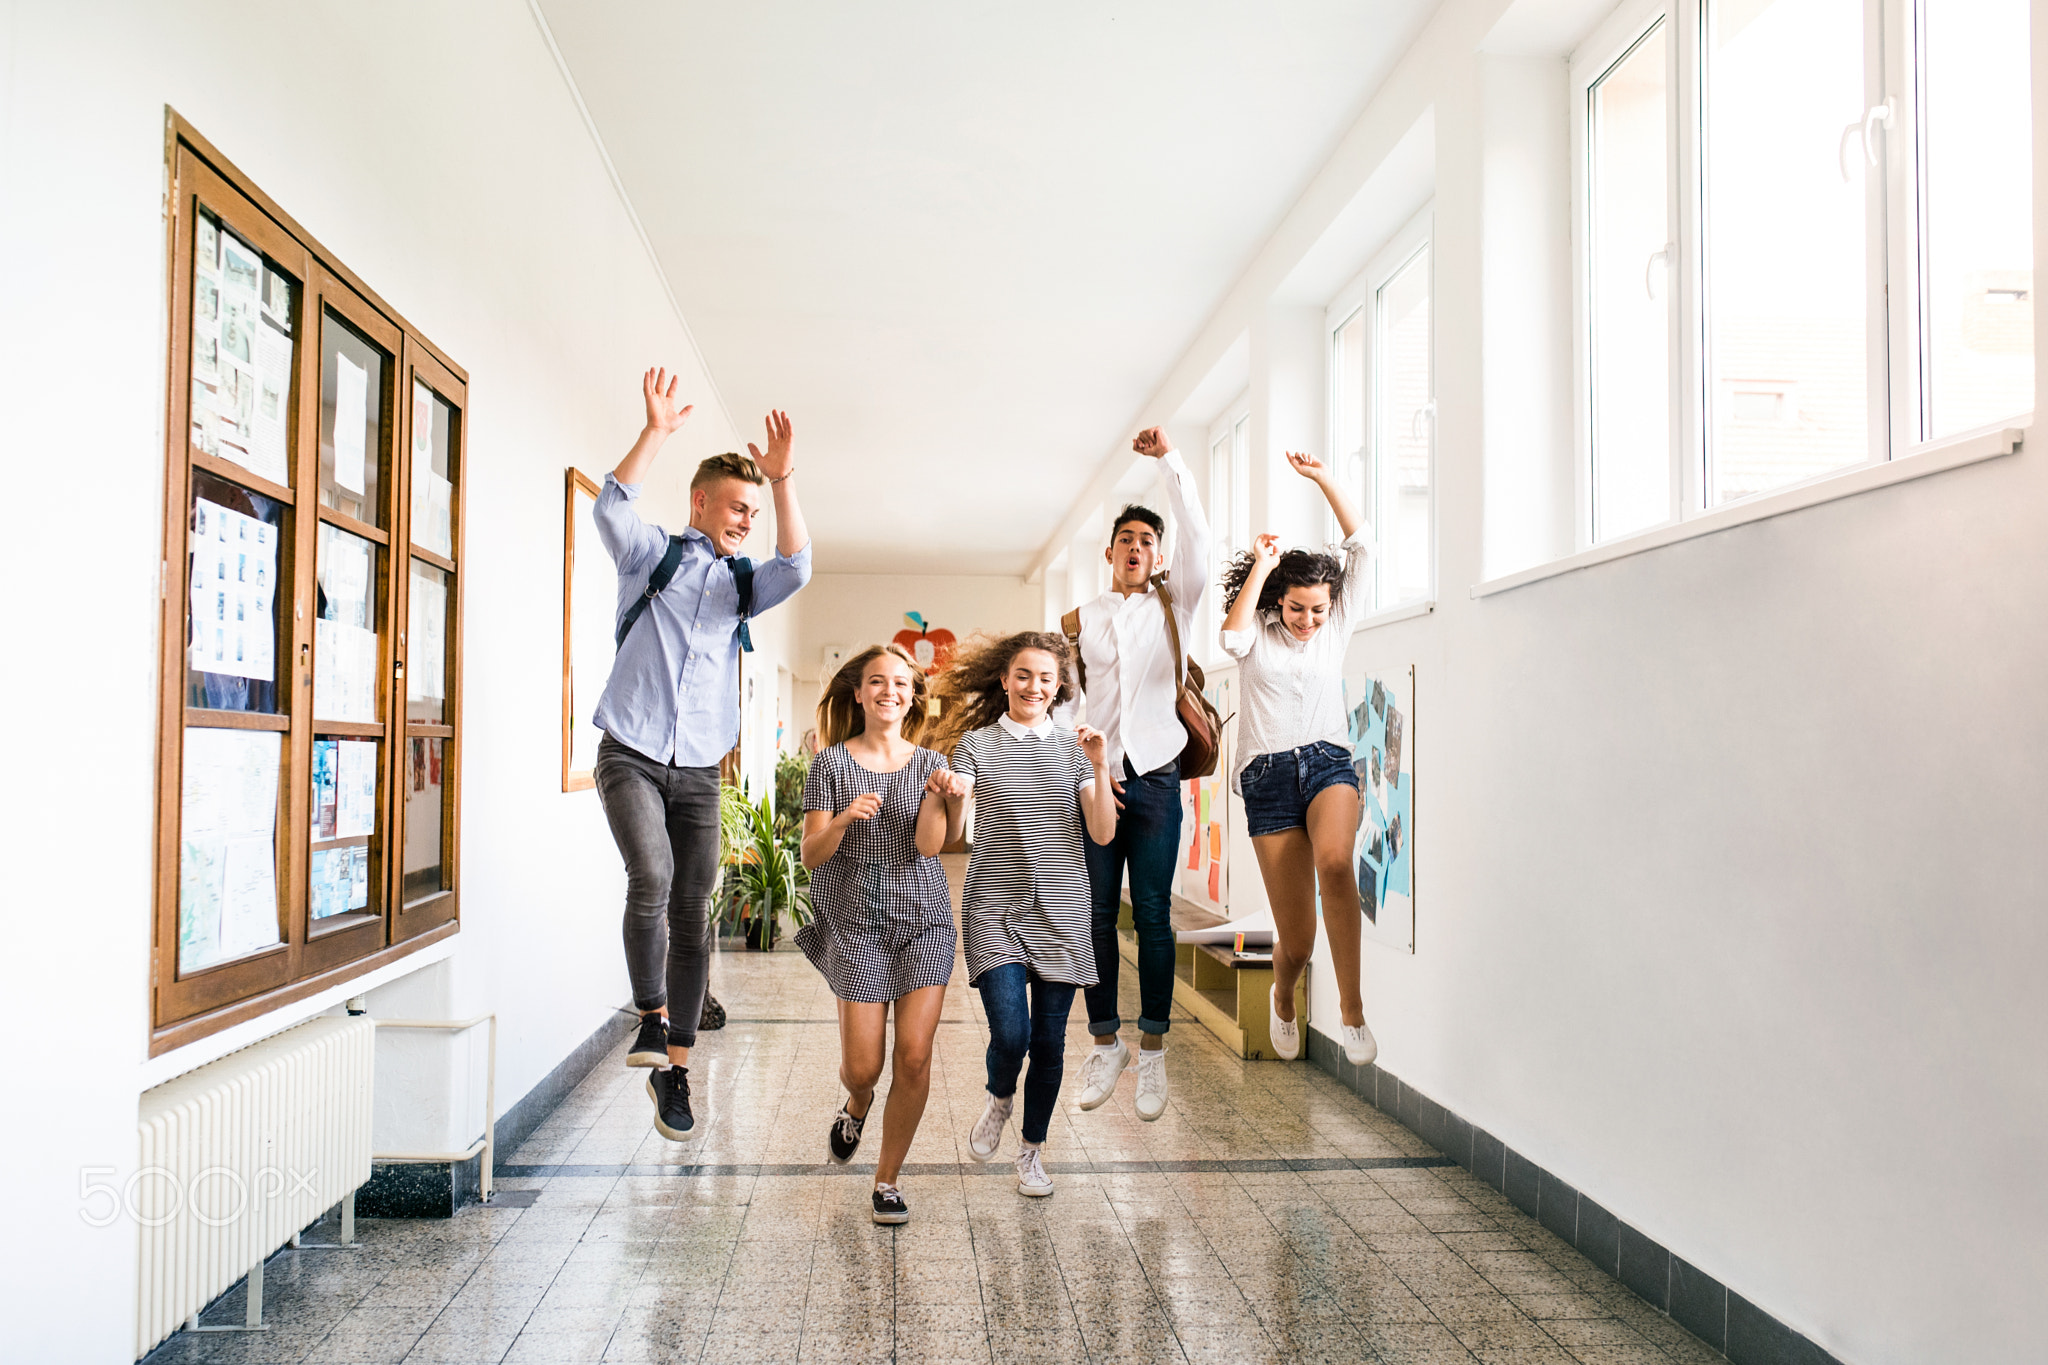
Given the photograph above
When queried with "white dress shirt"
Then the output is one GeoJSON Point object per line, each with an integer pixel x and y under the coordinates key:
{"type": "Point", "coordinates": [1290, 692]}
{"type": "Point", "coordinates": [1131, 670]}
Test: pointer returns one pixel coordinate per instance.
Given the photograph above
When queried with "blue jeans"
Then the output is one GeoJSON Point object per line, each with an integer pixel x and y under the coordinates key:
{"type": "Point", "coordinates": [1016, 1028]}
{"type": "Point", "coordinates": [1148, 840]}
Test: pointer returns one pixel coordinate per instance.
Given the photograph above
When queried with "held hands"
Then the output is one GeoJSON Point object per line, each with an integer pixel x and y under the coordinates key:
{"type": "Point", "coordinates": [1151, 442]}
{"type": "Point", "coordinates": [862, 807]}
{"type": "Point", "coordinates": [1308, 466]}
{"type": "Point", "coordinates": [947, 785]}
{"type": "Point", "coordinates": [777, 462]}
{"type": "Point", "coordinates": [662, 413]}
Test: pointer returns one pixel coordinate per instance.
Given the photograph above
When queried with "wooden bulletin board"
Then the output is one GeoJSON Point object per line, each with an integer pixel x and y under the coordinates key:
{"type": "Point", "coordinates": [589, 607]}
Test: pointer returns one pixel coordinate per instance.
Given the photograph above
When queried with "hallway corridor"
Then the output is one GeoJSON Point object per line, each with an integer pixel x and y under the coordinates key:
{"type": "Point", "coordinates": [1270, 1215]}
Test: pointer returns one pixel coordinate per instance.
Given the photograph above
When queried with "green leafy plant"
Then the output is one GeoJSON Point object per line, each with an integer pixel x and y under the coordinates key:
{"type": "Point", "coordinates": [790, 772]}
{"type": "Point", "coordinates": [768, 880]}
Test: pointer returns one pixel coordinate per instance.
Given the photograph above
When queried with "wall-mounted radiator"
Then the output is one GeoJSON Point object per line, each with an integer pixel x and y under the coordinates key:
{"type": "Point", "coordinates": [241, 1154]}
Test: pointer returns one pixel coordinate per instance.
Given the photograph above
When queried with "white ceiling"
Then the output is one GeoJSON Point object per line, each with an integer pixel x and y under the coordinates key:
{"type": "Point", "coordinates": [961, 243]}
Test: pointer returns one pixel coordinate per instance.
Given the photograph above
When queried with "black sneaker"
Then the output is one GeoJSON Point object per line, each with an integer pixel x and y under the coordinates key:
{"type": "Point", "coordinates": [844, 1139]}
{"type": "Point", "coordinates": [713, 1017]}
{"type": "Point", "coordinates": [650, 1048]}
{"type": "Point", "coordinates": [889, 1205]}
{"type": "Point", "coordinates": [670, 1090]}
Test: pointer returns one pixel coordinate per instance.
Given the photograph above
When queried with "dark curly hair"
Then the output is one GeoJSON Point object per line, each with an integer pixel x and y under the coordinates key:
{"type": "Point", "coordinates": [1296, 569]}
{"type": "Point", "coordinates": [970, 692]}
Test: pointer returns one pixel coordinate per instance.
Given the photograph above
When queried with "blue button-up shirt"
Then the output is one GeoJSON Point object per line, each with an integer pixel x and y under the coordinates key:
{"type": "Point", "coordinates": [674, 689]}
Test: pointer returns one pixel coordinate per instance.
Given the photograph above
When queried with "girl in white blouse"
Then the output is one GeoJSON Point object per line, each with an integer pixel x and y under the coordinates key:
{"type": "Point", "coordinates": [1288, 618]}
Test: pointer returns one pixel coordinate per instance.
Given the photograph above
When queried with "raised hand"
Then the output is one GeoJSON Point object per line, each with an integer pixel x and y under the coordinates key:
{"type": "Point", "coordinates": [660, 392]}
{"type": "Point", "coordinates": [1151, 442]}
{"type": "Point", "coordinates": [1308, 466]}
{"type": "Point", "coordinates": [862, 807]}
{"type": "Point", "coordinates": [1265, 552]}
{"type": "Point", "coordinates": [777, 461]}
{"type": "Point", "coordinates": [1095, 744]}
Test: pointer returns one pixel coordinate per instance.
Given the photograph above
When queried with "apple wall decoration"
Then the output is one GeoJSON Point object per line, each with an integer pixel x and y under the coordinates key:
{"type": "Point", "coordinates": [933, 649]}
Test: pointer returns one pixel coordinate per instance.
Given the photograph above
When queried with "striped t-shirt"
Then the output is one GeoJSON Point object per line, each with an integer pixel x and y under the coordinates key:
{"type": "Point", "coordinates": [1026, 898]}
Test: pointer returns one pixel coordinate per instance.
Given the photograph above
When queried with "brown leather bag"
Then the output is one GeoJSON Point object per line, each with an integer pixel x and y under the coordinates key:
{"type": "Point", "coordinates": [1204, 726]}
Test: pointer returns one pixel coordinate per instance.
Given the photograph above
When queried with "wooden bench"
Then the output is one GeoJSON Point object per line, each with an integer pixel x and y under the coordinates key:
{"type": "Point", "coordinates": [1228, 997]}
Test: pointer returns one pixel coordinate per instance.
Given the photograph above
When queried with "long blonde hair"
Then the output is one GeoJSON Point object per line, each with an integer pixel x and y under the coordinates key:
{"type": "Point", "coordinates": [970, 691]}
{"type": "Point", "coordinates": [840, 715]}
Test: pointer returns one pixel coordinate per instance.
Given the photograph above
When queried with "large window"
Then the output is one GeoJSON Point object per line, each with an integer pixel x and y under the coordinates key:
{"type": "Point", "coordinates": [1229, 509]}
{"type": "Point", "coordinates": [311, 672]}
{"type": "Point", "coordinates": [1383, 411]}
{"type": "Point", "coordinates": [1806, 243]}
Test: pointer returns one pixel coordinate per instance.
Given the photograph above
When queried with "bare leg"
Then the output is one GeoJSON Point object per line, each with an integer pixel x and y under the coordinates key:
{"type": "Point", "coordinates": [863, 1035]}
{"type": "Point", "coordinates": [1332, 830]}
{"type": "Point", "coordinates": [917, 1019]}
{"type": "Point", "coordinates": [1287, 862]}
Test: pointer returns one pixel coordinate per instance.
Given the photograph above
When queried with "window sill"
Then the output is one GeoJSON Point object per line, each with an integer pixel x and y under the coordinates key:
{"type": "Point", "coordinates": [1982, 445]}
{"type": "Point", "coordinates": [1407, 611]}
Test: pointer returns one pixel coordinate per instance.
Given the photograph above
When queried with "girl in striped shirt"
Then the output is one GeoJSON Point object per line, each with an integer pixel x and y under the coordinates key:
{"type": "Point", "coordinates": [1036, 789]}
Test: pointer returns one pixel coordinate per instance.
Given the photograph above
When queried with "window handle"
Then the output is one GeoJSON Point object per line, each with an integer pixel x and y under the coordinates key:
{"type": "Point", "coordinates": [1877, 113]}
{"type": "Point", "coordinates": [1415, 423]}
{"type": "Point", "coordinates": [1661, 256]}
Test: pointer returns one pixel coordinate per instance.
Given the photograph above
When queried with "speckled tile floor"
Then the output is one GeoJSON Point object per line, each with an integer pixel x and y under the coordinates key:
{"type": "Point", "coordinates": [1270, 1215]}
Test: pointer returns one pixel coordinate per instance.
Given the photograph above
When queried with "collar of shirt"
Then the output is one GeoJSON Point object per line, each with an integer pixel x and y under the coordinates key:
{"type": "Point", "coordinates": [1020, 729]}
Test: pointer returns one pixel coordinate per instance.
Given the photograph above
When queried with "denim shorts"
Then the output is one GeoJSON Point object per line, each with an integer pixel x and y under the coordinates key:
{"type": "Point", "coordinates": [1277, 788]}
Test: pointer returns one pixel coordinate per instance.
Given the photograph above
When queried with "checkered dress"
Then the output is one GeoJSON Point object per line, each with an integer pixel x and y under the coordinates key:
{"type": "Point", "coordinates": [884, 920]}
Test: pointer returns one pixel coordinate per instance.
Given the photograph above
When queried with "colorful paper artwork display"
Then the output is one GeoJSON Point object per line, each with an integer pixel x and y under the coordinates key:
{"type": "Point", "coordinates": [344, 818]}
{"type": "Point", "coordinates": [1383, 755]}
{"type": "Point", "coordinates": [241, 354]}
{"type": "Point", "coordinates": [931, 646]}
{"type": "Point", "coordinates": [234, 578]}
{"type": "Point", "coordinates": [1204, 820]}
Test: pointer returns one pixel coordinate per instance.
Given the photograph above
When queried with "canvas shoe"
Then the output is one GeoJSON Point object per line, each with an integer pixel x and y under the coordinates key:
{"type": "Point", "coordinates": [1285, 1033]}
{"type": "Point", "coordinates": [889, 1205]}
{"type": "Point", "coordinates": [987, 1133]}
{"type": "Point", "coordinates": [650, 1045]}
{"type": "Point", "coordinates": [1100, 1071]}
{"type": "Point", "coordinates": [844, 1139]}
{"type": "Point", "coordinates": [1031, 1176]}
{"type": "Point", "coordinates": [670, 1089]}
{"type": "Point", "coordinates": [1151, 1084]}
{"type": "Point", "coordinates": [1360, 1047]}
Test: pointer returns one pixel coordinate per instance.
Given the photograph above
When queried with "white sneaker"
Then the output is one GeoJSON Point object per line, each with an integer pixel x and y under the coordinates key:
{"type": "Point", "coordinates": [1031, 1176]}
{"type": "Point", "coordinates": [1151, 1084]}
{"type": "Point", "coordinates": [1360, 1047]}
{"type": "Point", "coordinates": [987, 1133]}
{"type": "Point", "coordinates": [1099, 1073]}
{"type": "Point", "coordinates": [1285, 1033]}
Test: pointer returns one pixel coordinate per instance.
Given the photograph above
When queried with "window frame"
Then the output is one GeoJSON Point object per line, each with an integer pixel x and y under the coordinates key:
{"type": "Point", "coordinates": [310, 955]}
{"type": "Point", "coordinates": [1228, 508]}
{"type": "Point", "coordinates": [1897, 362]}
{"type": "Point", "coordinates": [1362, 294]}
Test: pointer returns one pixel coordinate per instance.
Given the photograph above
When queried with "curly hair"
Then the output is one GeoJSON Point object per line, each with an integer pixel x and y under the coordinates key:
{"type": "Point", "coordinates": [970, 692]}
{"type": "Point", "coordinates": [840, 714]}
{"type": "Point", "coordinates": [1296, 569]}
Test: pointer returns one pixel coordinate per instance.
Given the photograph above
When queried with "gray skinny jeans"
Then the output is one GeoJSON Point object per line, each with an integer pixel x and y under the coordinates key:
{"type": "Point", "coordinates": [665, 822]}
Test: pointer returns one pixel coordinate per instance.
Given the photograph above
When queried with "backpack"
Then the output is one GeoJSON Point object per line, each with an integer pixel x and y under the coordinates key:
{"type": "Point", "coordinates": [665, 572]}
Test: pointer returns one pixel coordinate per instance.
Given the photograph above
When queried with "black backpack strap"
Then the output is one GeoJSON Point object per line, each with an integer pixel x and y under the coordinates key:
{"type": "Point", "coordinates": [656, 581]}
{"type": "Point", "coordinates": [743, 584]}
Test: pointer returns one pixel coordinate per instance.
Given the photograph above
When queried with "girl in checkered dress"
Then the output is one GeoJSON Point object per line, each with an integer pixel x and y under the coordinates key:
{"type": "Point", "coordinates": [877, 809]}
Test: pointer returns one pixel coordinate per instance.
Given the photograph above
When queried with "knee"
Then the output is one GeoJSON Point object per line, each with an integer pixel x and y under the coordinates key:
{"type": "Point", "coordinates": [860, 1075]}
{"type": "Point", "coordinates": [913, 1066]}
{"type": "Point", "coordinates": [647, 884]}
{"type": "Point", "coordinates": [1011, 1038]}
{"type": "Point", "coordinates": [1333, 866]}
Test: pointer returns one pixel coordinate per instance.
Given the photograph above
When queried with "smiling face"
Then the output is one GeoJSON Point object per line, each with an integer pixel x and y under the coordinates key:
{"type": "Point", "coordinates": [725, 511]}
{"type": "Point", "coordinates": [1133, 555]}
{"type": "Point", "coordinates": [885, 692]}
{"type": "Point", "coordinates": [1031, 682]}
{"type": "Point", "coordinates": [1304, 609]}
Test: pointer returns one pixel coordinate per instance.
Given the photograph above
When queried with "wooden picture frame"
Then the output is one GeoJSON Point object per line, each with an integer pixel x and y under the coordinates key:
{"type": "Point", "coordinates": [595, 572]}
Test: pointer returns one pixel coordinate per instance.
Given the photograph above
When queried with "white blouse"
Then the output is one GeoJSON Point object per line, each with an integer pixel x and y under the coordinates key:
{"type": "Point", "coordinates": [1291, 692]}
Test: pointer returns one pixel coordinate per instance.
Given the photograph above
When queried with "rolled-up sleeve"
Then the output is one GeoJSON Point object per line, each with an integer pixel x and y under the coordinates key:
{"type": "Point", "coordinates": [777, 580]}
{"type": "Point", "coordinates": [1357, 574]}
{"type": "Point", "coordinates": [633, 545]}
{"type": "Point", "coordinates": [1238, 643]}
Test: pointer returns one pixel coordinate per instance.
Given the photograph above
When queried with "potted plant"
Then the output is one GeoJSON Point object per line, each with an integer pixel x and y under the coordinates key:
{"type": "Point", "coordinates": [769, 879]}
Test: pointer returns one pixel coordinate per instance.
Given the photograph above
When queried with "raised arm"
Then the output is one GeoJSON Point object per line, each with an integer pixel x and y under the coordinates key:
{"type": "Point", "coordinates": [1191, 543]}
{"type": "Point", "coordinates": [1245, 610]}
{"type": "Point", "coordinates": [1319, 474]}
{"type": "Point", "coordinates": [664, 419]}
{"type": "Point", "coordinates": [778, 462]}
{"type": "Point", "coordinates": [1098, 796]}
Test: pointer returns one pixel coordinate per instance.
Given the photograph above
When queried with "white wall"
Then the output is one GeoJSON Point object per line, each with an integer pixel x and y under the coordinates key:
{"type": "Point", "coordinates": [437, 152]}
{"type": "Point", "coordinates": [1728, 858]}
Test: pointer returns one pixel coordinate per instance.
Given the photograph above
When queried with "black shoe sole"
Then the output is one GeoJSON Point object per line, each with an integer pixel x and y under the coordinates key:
{"type": "Point", "coordinates": [672, 1134]}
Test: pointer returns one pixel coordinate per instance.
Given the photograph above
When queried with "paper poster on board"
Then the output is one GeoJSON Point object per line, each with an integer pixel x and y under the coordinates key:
{"type": "Point", "coordinates": [1204, 868]}
{"type": "Point", "coordinates": [1382, 728]}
